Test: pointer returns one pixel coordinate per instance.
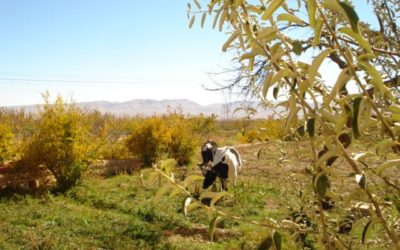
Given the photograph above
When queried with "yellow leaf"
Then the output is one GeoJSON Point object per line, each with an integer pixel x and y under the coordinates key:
{"type": "Point", "coordinates": [278, 55]}
{"type": "Point", "coordinates": [384, 166]}
{"type": "Point", "coordinates": [222, 19]}
{"type": "Point", "coordinates": [197, 4]}
{"type": "Point", "coordinates": [313, 70]}
{"type": "Point", "coordinates": [217, 197]}
{"type": "Point", "coordinates": [317, 31]}
{"type": "Point", "coordinates": [230, 40]}
{"type": "Point", "coordinates": [311, 7]}
{"type": "Point", "coordinates": [267, 33]}
{"type": "Point", "coordinates": [266, 84]}
{"type": "Point", "coordinates": [191, 21]}
{"type": "Point", "coordinates": [328, 115]}
{"type": "Point", "coordinates": [216, 16]}
{"type": "Point", "coordinates": [341, 81]}
{"type": "Point", "coordinates": [164, 189]}
{"type": "Point", "coordinates": [290, 18]}
{"type": "Point", "coordinates": [269, 11]}
{"type": "Point", "coordinates": [376, 79]}
{"type": "Point", "coordinates": [357, 37]}
{"type": "Point", "coordinates": [280, 74]}
{"type": "Point", "coordinates": [203, 18]}
{"type": "Point", "coordinates": [332, 5]}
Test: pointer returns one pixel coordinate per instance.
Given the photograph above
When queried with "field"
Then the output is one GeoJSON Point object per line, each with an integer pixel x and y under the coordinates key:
{"type": "Point", "coordinates": [110, 209]}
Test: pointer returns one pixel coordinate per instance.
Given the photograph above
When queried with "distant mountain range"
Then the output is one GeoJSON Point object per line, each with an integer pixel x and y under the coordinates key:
{"type": "Point", "coordinates": [147, 107]}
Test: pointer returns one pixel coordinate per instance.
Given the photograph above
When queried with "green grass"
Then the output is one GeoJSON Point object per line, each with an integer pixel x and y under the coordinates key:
{"type": "Point", "coordinates": [117, 213]}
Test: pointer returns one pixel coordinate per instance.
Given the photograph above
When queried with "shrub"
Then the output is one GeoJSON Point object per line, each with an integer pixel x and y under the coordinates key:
{"type": "Point", "coordinates": [149, 140]}
{"type": "Point", "coordinates": [59, 143]}
{"type": "Point", "coordinates": [169, 135]}
{"type": "Point", "coordinates": [6, 146]}
{"type": "Point", "coordinates": [183, 139]}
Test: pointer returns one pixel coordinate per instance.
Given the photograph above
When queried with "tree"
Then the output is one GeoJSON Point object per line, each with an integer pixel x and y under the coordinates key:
{"type": "Point", "coordinates": [59, 142]}
{"type": "Point", "coordinates": [274, 42]}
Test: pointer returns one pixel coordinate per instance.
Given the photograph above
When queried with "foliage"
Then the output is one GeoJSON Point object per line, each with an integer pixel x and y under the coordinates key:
{"type": "Point", "coordinates": [6, 142]}
{"type": "Point", "coordinates": [59, 142]}
{"type": "Point", "coordinates": [273, 41]}
{"type": "Point", "coordinates": [109, 133]}
{"type": "Point", "coordinates": [262, 130]}
{"type": "Point", "coordinates": [172, 135]}
{"type": "Point", "coordinates": [184, 141]}
{"type": "Point", "coordinates": [149, 139]}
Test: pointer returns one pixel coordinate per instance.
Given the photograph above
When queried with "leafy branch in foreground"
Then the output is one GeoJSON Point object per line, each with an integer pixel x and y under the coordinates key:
{"type": "Point", "coordinates": [358, 114]}
{"type": "Point", "coordinates": [163, 174]}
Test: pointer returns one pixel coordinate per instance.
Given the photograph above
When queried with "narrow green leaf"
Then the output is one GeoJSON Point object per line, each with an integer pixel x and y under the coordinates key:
{"type": "Point", "coordinates": [212, 226]}
{"type": "Point", "coordinates": [203, 19]}
{"type": "Point", "coordinates": [269, 11]}
{"type": "Point", "coordinates": [163, 190]}
{"type": "Point", "coordinates": [230, 40]}
{"type": "Point", "coordinates": [281, 74]}
{"type": "Point", "coordinates": [217, 197]}
{"type": "Point", "coordinates": [313, 70]}
{"type": "Point", "coordinates": [364, 233]}
{"type": "Point", "coordinates": [351, 15]}
{"type": "Point", "coordinates": [191, 21]}
{"type": "Point", "coordinates": [388, 164]}
{"type": "Point", "coordinates": [332, 5]}
{"type": "Point", "coordinates": [297, 47]}
{"type": "Point", "coordinates": [277, 240]}
{"type": "Point", "coordinates": [321, 185]}
{"type": "Point", "coordinates": [356, 112]}
{"type": "Point", "coordinates": [358, 38]}
{"type": "Point", "coordinates": [168, 165]}
{"type": "Point", "coordinates": [311, 8]}
{"type": "Point", "coordinates": [208, 194]}
{"type": "Point", "coordinates": [197, 4]}
{"type": "Point", "coordinates": [311, 127]}
{"type": "Point", "coordinates": [376, 79]}
{"type": "Point", "coordinates": [290, 18]}
{"type": "Point", "coordinates": [266, 84]}
{"type": "Point", "coordinates": [341, 81]}
{"type": "Point", "coordinates": [319, 24]}
{"type": "Point", "coordinates": [191, 178]}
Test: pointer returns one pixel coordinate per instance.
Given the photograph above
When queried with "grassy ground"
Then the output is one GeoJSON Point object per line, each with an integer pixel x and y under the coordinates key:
{"type": "Point", "coordinates": [116, 212]}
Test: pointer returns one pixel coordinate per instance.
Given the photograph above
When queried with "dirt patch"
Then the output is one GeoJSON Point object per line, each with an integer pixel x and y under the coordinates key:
{"type": "Point", "coordinates": [25, 180]}
{"type": "Point", "coordinates": [200, 233]}
{"type": "Point", "coordinates": [108, 168]}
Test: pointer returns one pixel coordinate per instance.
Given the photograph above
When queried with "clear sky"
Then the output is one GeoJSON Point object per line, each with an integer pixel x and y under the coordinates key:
{"type": "Point", "coordinates": [145, 47]}
{"type": "Point", "coordinates": [114, 50]}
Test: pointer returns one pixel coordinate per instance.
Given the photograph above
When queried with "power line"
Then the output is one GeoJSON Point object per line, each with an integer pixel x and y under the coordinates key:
{"type": "Point", "coordinates": [103, 82]}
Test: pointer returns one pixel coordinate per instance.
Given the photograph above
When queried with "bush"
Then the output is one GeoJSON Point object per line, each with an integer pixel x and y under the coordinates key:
{"type": "Point", "coordinates": [170, 135]}
{"type": "Point", "coordinates": [149, 140]}
{"type": "Point", "coordinates": [183, 139]}
{"type": "Point", "coordinates": [6, 146]}
{"type": "Point", "coordinates": [59, 142]}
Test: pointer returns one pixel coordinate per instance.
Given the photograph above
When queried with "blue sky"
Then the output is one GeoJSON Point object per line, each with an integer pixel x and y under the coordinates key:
{"type": "Point", "coordinates": [144, 46]}
{"type": "Point", "coordinates": [108, 50]}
